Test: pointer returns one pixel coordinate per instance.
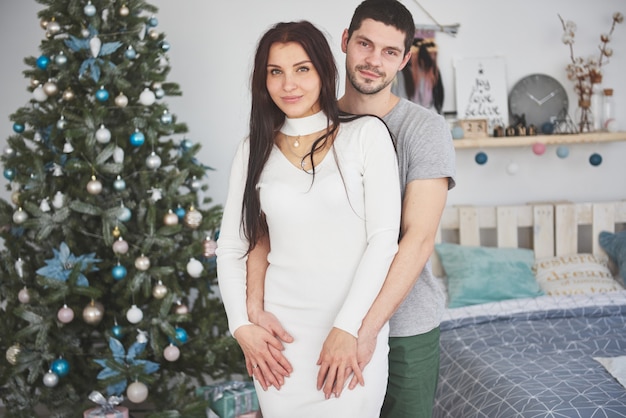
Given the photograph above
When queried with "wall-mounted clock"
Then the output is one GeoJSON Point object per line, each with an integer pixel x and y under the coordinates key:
{"type": "Point", "coordinates": [540, 98]}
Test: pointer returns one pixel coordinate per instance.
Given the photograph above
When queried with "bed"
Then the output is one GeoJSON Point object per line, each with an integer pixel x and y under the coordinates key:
{"type": "Point", "coordinates": [546, 344]}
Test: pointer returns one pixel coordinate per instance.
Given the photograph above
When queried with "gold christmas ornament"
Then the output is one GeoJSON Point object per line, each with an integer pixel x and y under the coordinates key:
{"type": "Point", "coordinates": [181, 309]}
{"type": "Point", "coordinates": [193, 218]}
{"type": "Point", "coordinates": [124, 10]}
{"type": "Point", "coordinates": [12, 353]}
{"type": "Point", "coordinates": [159, 290]}
{"type": "Point", "coordinates": [93, 313]}
{"type": "Point", "coordinates": [170, 218]}
{"type": "Point", "coordinates": [116, 232]}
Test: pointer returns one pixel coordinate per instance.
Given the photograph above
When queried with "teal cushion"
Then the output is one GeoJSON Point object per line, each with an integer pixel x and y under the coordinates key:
{"type": "Point", "coordinates": [487, 274]}
{"type": "Point", "coordinates": [615, 247]}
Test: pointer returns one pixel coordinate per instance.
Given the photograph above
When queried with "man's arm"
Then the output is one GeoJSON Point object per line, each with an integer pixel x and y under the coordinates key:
{"type": "Point", "coordinates": [424, 201]}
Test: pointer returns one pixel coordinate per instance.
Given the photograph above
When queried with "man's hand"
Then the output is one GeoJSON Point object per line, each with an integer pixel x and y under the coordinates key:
{"type": "Point", "coordinates": [366, 345]}
{"type": "Point", "coordinates": [337, 361]}
{"type": "Point", "coordinates": [261, 350]}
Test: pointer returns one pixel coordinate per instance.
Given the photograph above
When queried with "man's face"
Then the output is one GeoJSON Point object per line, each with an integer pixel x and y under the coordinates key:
{"type": "Point", "coordinates": [374, 54]}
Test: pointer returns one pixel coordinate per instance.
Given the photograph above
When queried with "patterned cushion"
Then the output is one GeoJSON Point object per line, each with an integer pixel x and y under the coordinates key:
{"type": "Point", "coordinates": [615, 247]}
{"type": "Point", "coordinates": [575, 274]}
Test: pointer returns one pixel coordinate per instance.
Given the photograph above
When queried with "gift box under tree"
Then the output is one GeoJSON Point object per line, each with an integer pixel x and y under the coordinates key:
{"type": "Point", "coordinates": [230, 399]}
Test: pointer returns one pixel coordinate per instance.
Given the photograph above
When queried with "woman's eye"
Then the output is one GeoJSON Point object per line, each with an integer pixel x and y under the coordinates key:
{"type": "Point", "coordinates": [303, 69]}
{"type": "Point", "coordinates": [275, 71]}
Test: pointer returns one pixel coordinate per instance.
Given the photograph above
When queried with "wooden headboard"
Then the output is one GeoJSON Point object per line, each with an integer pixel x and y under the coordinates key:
{"type": "Point", "coordinates": [548, 228]}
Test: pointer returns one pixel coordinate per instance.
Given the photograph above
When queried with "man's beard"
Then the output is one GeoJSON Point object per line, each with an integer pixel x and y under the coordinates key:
{"type": "Point", "coordinates": [366, 87]}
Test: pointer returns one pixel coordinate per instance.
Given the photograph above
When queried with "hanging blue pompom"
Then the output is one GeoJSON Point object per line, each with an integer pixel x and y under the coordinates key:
{"type": "Point", "coordinates": [480, 158]}
{"type": "Point", "coordinates": [595, 159]}
{"type": "Point", "coordinates": [562, 151]}
{"type": "Point", "coordinates": [43, 61]}
{"type": "Point", "coordinates": [137, 139]}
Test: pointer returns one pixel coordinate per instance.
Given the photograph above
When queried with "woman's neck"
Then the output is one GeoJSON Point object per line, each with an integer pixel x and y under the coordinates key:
{"type": "Point", "coordinates": [307, 125]}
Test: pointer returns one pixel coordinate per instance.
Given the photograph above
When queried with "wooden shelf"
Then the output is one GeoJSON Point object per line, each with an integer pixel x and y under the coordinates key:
{"type": "Point", "coordinates": [521, 141]}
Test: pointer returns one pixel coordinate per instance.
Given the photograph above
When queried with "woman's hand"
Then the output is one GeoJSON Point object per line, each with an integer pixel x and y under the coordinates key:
{"type": "Point", "coordinates": [337, 361]}
{"type": "Point", "coordinates": [261, 350]}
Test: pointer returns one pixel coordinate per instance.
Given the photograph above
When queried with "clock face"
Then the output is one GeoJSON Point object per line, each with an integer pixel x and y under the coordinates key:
{"type": "Point", "coordinates": [540, 98]}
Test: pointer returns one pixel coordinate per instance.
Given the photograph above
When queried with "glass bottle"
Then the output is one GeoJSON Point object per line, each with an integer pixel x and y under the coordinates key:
{"type": "Point", "coordinates": [596, 105]}
{"type": "Point", "coordinates": [608, 112]}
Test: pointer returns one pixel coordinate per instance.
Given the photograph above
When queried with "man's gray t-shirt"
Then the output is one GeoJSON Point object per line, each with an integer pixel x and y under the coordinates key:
{"type": "Point", "coordinates": [425, 151]}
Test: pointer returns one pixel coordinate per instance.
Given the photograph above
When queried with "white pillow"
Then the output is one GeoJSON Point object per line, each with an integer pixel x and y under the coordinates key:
{"type": "Point", "coordinates": [575, 274]}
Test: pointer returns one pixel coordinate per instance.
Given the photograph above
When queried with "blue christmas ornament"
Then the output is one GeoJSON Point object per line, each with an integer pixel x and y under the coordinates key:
{"type": "Point", "coordinates": [124, 215]}
{"type": "Point", "coordinates": [119, 272]}
{"type": "Point", "coordinates": [562, 151]}
{"type": "Point", "coordinates": [43, 61]}
{"type": "Point", "coordinates": [130, 53]}
{"type": "Point", "coordinates": [186, 144]}
{"type": "Point", "coordinates": [117, 331]}
{"type": "Point", "coordinates": [166, 118]}
{"type": "Point", "coordinates": [119, 184]}
{"type": "Point", "coordinates": [165, 46]}
{"type": "Point", "coordinates": [153, 21]}
{"type": "Point", "coordinates": [181, 336]}
{"type": "Point", "coordinates": [137, 139]}
{"type": "Point", "coordinates": [159, 93]}
{"type": "Point", "coordinates": [60, 367]}
{"type": "Point", "coordinates": [480, 158]}
{"type": "Point", "coordinates": [180, 212]}
{"type": "Point", "coordinates": [9, 173]}
{"type": "Point", "coordinates": [102, 95]}
{"type": "Point", "coordinates": [595, 159]}
{"type": "Point", "coordinates": [18, 127]}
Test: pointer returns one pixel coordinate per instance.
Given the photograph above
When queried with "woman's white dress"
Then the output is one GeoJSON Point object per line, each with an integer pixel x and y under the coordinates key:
{"type": "Point", "coordinates": [332, 241]}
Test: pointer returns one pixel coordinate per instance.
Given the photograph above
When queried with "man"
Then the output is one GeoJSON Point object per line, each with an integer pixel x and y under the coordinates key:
{"type": "Point", "coordinates": [377, 46]}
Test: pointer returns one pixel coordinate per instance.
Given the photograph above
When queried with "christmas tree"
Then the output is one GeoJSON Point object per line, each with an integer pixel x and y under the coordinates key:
{"type": "Point", "coordinates": [107, 269]}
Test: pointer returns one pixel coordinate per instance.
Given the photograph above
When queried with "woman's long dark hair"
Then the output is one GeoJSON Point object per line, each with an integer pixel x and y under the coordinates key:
{"type": "Point", "coordinates": [266, 118]}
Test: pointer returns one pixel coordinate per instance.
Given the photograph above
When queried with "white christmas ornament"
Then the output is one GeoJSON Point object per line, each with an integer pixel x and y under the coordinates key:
{"type": "Point", "coordinates": [58, 200]}
{"type": "Point", "coordinates": [142, 263]}
{"type": "Point", "coordinates": [67, 147]}
{"type": "Point", "coordinates": [118, 155]}
{"type": "Point", "coordinates": [137, 392]}
{"type": "Point", "coordinates": [94, 46]}
{"type": "Point", "coordinates": [39, 94]}
{"type": "Point", "coordinates": [142, 336]}
{"type": "Point", "coordinates": [50, 379]}
{"type": "Point", "coordinates": [103, 135]}
{"type": "Point", "coordinates": [171, 353]}
{"type": "Point", "coordinates": [121, 100]}
{"type": "Point", "coordinates": [134, 315]}
{"type": "Point", "coordinates": [45, 205]}
{"type": "Point", "coordinates": [194, 268]}
{"type": "Point", "coordinates": [23, 296]}
{"type": "Point", "coordinates": [65, 314]}
{"type": "Point", "coordinates": [19, 267]}
{"type": "Point", "coordinates": [147, 97]}
{"type": "Point", "coordinates": [19, 216]}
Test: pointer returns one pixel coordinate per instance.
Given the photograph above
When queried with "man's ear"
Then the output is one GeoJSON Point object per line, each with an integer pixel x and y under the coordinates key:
{"type": "Point", "coordinates": [405, 61]}
{"type": "Point", "coordinates": [344, 41]}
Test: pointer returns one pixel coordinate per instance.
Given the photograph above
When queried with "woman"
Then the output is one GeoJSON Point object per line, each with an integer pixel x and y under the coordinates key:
{"type": "Point", "coordinates": [326, 193]}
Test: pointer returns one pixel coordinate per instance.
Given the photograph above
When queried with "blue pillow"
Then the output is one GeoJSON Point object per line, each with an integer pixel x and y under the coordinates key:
{"type": "Point", "coordinates": [487, 274]}
{"type": "Point", "coordinates": [615, 247]}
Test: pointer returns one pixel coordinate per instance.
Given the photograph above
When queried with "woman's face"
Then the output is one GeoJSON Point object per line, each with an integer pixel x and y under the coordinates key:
{"type": "Point", "coordinates": [292, 81]}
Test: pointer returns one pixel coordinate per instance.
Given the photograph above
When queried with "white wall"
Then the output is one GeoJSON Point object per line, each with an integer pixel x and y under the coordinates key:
{"type": "Point", "coordinates": [211, 55]}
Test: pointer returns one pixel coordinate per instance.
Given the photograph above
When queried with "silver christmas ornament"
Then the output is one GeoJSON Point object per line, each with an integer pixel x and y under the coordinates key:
{"type": "Point", "coordinates": [53, 28]}
{"type": "Point", "coordinates": [23, 296]}
{"type": "Point", "coordinates": [39, 94]}
{"type": "Point", "coordinates": [19, 267]}
{"type": "Point", "coordinates": [50, 379]}
{"type": "Point", "coordinates": [60, 59]}
{"type": "Point", "coordinates": [195, 184]}
{"type": "Point", "coordinates": [94, 186]}
{"type": "Point", "coordinates": [61, 123]}
{"type": "Point", "coordinates": [137, 392]}
{"type": "Point", "coordinates": [121, 100]}
{"type": "Point", "coordinates": [9, 152]}
{"type": "Point", "coordinates": [170, 218]}
{"type": "Point", "coordinates": [50, 88]}
{"type": "Point", "coordinates": [153, 161]}
{"type": "Point", "coordinates": [142, 263]}
{"type": "Point", "coordinates": [20, 216]}
{"type": "Point", "coordinates": [119, 184]}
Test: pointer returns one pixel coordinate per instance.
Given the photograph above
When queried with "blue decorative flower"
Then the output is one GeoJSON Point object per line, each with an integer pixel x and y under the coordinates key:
{"type": "Point", "coordinates": [61, 266]}
{"type": "Point", "coordinates": [92, 63]}
{"type": "Point", "coordinates": [126, 360]}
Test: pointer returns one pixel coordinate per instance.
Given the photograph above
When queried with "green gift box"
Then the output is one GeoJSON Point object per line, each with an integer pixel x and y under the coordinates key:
{"type": "Point", "coordinates": [230, 399]}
